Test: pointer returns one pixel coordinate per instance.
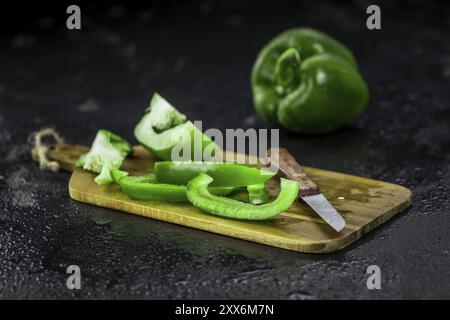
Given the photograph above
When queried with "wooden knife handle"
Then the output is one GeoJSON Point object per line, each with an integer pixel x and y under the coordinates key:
{"type": "Point", "coordinates": [289, 168]}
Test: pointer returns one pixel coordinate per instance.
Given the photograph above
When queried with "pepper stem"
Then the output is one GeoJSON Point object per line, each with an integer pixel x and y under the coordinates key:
{"type": "Point", "coordinates": [287, 70]}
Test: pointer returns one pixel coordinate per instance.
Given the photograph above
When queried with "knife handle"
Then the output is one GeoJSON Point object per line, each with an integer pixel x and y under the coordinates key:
{"type": "Point", "coordinates": [289, 168]}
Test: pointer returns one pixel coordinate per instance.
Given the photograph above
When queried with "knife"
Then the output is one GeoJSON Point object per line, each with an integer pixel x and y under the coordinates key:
{"type": "Point", "coordinates": [281, 159]}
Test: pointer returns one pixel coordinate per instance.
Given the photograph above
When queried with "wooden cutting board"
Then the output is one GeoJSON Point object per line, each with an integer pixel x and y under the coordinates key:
{"type": "Point", "coordinates": [364, 204]}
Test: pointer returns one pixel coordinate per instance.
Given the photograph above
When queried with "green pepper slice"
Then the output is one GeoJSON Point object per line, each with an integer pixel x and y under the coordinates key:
{"type": "Point", "coordinates": [257, 193]}
{"type": "Point", "coordinates": [163, 128]}
{"type": "Point", "coordinates": [107, 152]}
{"type": "Point", "coordinates": [199, 196]}
{"type": "Point", "coordinates": [224, 174]}
{"type": "Point", "coordinates": [146, 187]}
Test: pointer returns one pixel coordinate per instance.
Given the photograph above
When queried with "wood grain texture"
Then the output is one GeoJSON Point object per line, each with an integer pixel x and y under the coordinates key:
{"type": "Point", "coordinates": [364, 204]}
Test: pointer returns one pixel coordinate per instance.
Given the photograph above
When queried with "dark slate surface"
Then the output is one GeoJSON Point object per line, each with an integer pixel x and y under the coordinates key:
{"type": "Point", "coordinates": [199, 56]}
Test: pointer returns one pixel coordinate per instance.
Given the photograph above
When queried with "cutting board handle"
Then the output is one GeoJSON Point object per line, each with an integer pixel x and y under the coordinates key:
{"type": "Point", "coordinates": [65, 154]}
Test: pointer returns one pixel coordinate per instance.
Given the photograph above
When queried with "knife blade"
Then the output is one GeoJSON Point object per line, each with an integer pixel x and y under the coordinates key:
{"type": "Point", "coordinates": [310, 193]}
{"type": "Point", "coordinates": [325, 210]}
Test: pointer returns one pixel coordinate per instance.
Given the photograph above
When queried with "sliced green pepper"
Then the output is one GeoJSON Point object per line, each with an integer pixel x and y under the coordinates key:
{"type": "Point", "coordinates": [146, 187]}
{"type": "Point", "coordinates": [307, 82]}
{"type": "Point", "coordinates": [107, 152]}
{"type": "Point", "coordinates": [257, 193]}
{"type": "Point", "coordinates": [199, 196]}
{"type": "Point", "coordinates": [224, 174]}
{"type": "Point", "coordinates": [163, 128]}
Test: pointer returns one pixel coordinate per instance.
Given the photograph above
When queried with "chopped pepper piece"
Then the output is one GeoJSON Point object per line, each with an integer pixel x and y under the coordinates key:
{"type": "Point", "coordinates": [107, 152]}
{"type": "Point", "coordinates": [199, 196]}
{"type": "Point", "coordinates": [163, 128]}
{"type": "Point", "coordinates": [257, 193]}
{"type": "Point", "coordinates": [224, 174]}
{"type": "Point", "coordinates": [146, 187]}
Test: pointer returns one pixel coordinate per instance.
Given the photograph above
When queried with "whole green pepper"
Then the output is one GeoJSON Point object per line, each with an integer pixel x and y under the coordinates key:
{"type": "Point", "coordinates": [147, 187]}
{"type": "Point", "coordinates": [163, 128]}
{"type": "Point", "coordinates": [107, 152]}
{"type": "Point", "coordinates": [307, 82]}
{"type": "Point", "coordinates": [199, 196]}
{"type": "Point", "coordinates": [224, 174]}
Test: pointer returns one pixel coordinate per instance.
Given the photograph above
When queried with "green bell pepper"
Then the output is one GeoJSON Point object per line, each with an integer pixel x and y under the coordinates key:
{"type": "Point", "coordinates": [307, 82]}
{"type": "Point", "coordinates": [224, 174]}
{"type": "Point", "coordinates": [147, 187]}
{"type": "Point", "coordinates": [107, 152]}
{"type": "Point", "coordinates": [257, 193]}
{"type": "Point", "coordinates": [199, 196]}
{"type": "Point", "coordinates": [163, 128]}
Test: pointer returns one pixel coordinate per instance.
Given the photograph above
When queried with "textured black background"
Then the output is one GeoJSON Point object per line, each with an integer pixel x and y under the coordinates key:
{"type": "Point", "coordinates": [199, 55]}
